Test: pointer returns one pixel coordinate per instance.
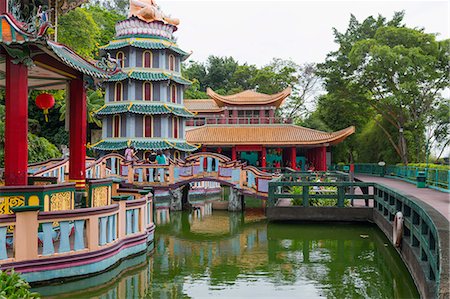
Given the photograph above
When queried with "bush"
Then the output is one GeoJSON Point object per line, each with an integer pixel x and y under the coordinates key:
{"type": "Point", "coordinates": [13, 286]}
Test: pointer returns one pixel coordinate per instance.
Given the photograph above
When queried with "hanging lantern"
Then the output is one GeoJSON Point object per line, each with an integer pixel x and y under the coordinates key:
{"type": "Point", "coordinates": [219, 150]}
{"type": "Point", "coordinates": [45, 101]}
{"type": "Point", "coordinates": [279, 150]}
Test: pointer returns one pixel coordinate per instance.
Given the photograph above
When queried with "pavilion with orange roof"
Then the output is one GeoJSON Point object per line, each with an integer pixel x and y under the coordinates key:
{"type": "Point", "coordinates": [244, 126]}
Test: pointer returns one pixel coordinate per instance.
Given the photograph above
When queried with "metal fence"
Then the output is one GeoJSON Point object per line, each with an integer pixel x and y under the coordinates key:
{"type": "Point", "coordinates": [436, 178]}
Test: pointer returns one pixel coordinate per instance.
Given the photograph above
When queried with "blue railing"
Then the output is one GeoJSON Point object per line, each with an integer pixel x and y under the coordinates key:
{"type": "Point", "coordinates": [435, 178]}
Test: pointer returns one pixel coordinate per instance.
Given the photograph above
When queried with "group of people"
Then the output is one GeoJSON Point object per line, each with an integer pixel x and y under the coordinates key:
{"type": "Point", "coordinates": [158, 158]}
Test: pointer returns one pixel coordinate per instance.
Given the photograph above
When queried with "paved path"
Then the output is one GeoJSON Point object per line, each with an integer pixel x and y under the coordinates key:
{"type": "Point", "coordinates": [437, 199]}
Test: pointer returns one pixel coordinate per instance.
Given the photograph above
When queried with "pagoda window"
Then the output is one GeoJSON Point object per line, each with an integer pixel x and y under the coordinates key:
{"type": "Point", "coordinates": [173, 93]}
{"type": "Point", "coordinates": [147, 59]}
{"type": "Point", "coordinates": [118, 92]}
{"type": "Point", "coordinates": [171, 62]}
{"type": "Point", "coordinates": [147, 91]}
{"type": "Point", "coordinates": [116, 126]}
{"type": "Point", "coordinates": [148, 126]}
{"type": "Point", "coordinates": [121, 59]}
{"type": "Point", "coordinates": [175, 127]}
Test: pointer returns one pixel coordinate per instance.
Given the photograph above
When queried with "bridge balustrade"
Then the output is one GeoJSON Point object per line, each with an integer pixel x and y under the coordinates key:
{"type": "Point", "coordinates": [30, 234]}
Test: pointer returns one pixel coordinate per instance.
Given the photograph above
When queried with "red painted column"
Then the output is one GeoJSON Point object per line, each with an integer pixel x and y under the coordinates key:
{"type": "Point", "coordinates": [294, 158]}
{"type": "Point", "coordinates": [233, 153]}
{"type": "Point", "coordinates": [16, 124]}
{"type": "Point", "coordinates": [234, 116]}
{"type": "Point", "coordinates": [323, 151]}
{"type": "Point", "coordinates": [263, 156]}
{"type": "Point", "coordinates": [3, 6]}
{"type": "Point", "coordinates": [77, 133]}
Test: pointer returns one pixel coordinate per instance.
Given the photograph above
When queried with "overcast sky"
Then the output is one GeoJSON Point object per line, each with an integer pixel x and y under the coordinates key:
{"type": "Point", "coordinates": [256, 31]}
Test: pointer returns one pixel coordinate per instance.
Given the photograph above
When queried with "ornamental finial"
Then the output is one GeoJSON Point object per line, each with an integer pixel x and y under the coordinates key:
{"type": "Point", "coordinates": [148, 11]}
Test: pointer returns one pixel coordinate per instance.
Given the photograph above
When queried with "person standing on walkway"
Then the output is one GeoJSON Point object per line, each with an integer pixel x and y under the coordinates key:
{"type": "Point", "coordinates": [161, 160]}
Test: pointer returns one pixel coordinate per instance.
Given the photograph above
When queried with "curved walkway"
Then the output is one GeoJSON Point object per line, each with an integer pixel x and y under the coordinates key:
{"type": "Point", "coordinates": [437, 199]}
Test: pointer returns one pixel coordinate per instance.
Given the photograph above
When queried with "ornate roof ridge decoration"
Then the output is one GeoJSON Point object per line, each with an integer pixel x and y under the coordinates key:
{"type": "Point", "coordinates": [148, 75]}
{"type": "Point", "coordinates": [249, 97]}
{"type": "Point", "coordinates": [111, 144]}
{"type": "Point", "coordinates": [146, 43]}
{"type": "Point", "coordinates": [14, 32]}
{"type": "Point", "coordinates": [147, 108]}
{"type": "Point", "coordinates": [280, 134]}
{"type": "Point", "coordinates": [71, 58]}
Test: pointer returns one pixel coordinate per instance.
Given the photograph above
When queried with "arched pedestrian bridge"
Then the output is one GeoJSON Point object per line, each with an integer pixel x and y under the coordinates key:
{"type": "Point", "coordinates": [198, 167]}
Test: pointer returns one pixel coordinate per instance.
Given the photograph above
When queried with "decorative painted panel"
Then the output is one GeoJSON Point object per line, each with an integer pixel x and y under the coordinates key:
{"type": "Point", "coordinates": [61, 201]}
{"type": "Point", "coordinates": [9, 202]}
{"type": "Point", "coordinates": [99, 197]}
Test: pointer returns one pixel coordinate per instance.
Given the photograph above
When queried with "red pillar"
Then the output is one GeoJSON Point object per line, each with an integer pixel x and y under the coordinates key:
{"type": "Point", "coordinates": [263, 156]}
{"type": "Point", "coordinates": [233, 153]}
{"type": "Point", "coordinates": [16, 124]}
{"type": "Point", "coordinates": [3, 6]}
{"type": "Point", "coordinates": [294, 158]}
{"type": "Point", "coordinates": [323, 151]}
{"type": "Point", "coordinates": [77, 131]}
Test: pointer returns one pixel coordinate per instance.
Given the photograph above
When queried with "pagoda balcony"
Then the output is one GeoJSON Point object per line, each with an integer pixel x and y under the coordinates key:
{"type": "Point", "coordinates": [201, 121]}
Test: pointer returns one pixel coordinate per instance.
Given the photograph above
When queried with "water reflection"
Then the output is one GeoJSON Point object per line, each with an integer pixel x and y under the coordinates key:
{"type": "Point", "coordinates": [232, 255]}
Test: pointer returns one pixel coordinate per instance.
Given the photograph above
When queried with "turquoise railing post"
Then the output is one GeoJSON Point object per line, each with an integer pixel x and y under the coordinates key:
{"type": "Point", "coordinates": [113, 166]}
{"type": "Point", "coordinates": [114, 227]}
{"type": "Point", "coordinates": [47, 239]}
{"type": "Point", "coordinates": [64, 242]}
{"type": "Point", "coordinates": [162, 178]}
{"type": "Point", "coordinates": [102, 239]}
{"type": "Point", "coordinates": [216, 165]}
{"type": "Point", "coordinates": [437, 178]}
{"type": "Point", "coordinates": [448, 179]}
{"type": "Point", "coordinates": [305, 196]}
{"type": "Point", "coordinates": [140, 176]}
{"type": "Point", "coordinates": [79, 235]}
{"type": "Point", "coordinates": [135, 220]}
{"type": "Point", "coordinates": [110, 236]}
{"type": "Point", "coordinates": [202, 164]}
{"type": "Point", "coordinates": [3, 253]}
{"type": "Point", "coordinates": [340, 195]}
{"type": "Point", "coordinates": [150, 175]}
{"type": "Point", "coordinates": [209, 164]}
{"type": "Point", "coordinates": [129, 222]}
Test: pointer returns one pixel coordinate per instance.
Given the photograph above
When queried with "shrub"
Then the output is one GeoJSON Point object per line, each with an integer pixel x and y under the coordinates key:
{"type": "Point", "coordinates": [13, 286]}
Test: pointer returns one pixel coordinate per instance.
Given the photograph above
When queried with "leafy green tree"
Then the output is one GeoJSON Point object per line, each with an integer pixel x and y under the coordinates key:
{"type": "Point", "coordinates": [79, 31]}
{"type": "Point", "coordinates": [94, 101]}
{"type": "Point", "coordinates": [402, 71]}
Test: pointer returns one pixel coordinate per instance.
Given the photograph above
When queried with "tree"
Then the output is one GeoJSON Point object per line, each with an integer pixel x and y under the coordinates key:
{"type": "Point", "coordinates": [402, 71]}
{"type": "Point", "coordinates": [79, 31]}
{"type": "Point", "coordinates": [94, 101]}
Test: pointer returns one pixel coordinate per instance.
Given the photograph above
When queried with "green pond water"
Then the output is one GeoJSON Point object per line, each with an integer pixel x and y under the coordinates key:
{"type": "Point", "coordinates": [236, 255]}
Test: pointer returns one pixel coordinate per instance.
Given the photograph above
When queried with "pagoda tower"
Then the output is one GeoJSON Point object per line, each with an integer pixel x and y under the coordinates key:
{"type": "Point", "coordinates": [144, 105]}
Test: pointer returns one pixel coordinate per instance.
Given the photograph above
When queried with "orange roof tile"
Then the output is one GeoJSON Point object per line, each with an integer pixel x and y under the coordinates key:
{"type": "Point", "coordinates": [202, 105]}
{"type": "Point", "coordinates": [249, 97]}
{"type": "Point", "coordinates": [263, 134]}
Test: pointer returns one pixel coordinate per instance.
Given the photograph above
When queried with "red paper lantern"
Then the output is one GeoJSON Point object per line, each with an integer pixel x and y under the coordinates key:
{"type": "Point", "coordinates": [219, 150]}
{"type": "Point", "coordinates": [45, 101]}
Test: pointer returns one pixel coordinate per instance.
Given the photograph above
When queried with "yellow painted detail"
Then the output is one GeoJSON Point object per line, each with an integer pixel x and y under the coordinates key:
{"type": "Point", "coordinates": [61, 201]}
{"type": "Point", "coordinates": [33, 200]}
{"type": "Point", "coordinates": [9, 202]}
{"type": "Point", "coordinates": [46, 203]}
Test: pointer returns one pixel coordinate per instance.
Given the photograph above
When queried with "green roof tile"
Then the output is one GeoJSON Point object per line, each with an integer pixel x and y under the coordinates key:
{"type": "Point", "coordinates": [147, 108]}
{"type": "Point", "coordinates": [150, 44]}
{"type": "Point", "coordinates": [150, 144]}
{"type": "Point", "coordinates": [148, 76]}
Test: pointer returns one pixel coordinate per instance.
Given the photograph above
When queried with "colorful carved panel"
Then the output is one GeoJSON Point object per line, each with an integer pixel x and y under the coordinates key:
{"type": "Point", "coordinates": [61, 201]}
{"type": "Point", "coordinates": [9, 202]}
{"type": "Point", "coordinates": [99, 197]}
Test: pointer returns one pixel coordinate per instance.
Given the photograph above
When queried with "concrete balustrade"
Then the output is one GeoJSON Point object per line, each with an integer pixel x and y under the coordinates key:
{"type": "Point", "coordinates": [58, 243]}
